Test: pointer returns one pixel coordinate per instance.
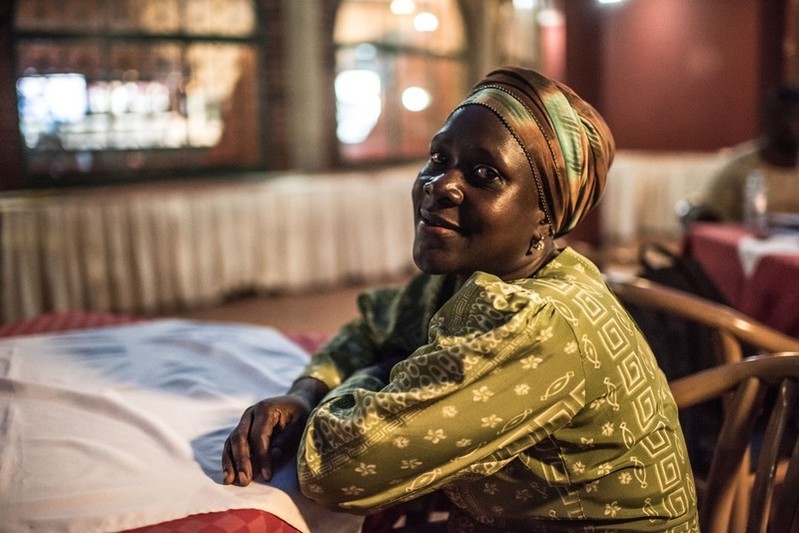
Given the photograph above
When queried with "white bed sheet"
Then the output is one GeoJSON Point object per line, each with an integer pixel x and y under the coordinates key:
{"type": "Point", "coordinates": [117, 428]}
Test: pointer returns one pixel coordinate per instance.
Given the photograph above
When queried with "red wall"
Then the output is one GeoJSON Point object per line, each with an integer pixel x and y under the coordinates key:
{"type": "Point", "coordinates": [682, 74]}
{"type": "Point", "coordinates": [674, 74]}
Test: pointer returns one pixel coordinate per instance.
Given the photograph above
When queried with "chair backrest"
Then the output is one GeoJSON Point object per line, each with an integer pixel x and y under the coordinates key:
{"type": "Point", "coordinates": [774, 496]}
{"type": "Point", "coordinates": [733, 336]}
{"type": "Point", "coordinates": [731, 328]}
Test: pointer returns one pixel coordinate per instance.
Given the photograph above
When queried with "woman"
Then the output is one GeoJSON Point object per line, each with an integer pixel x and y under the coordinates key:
{"type": "Point", "coordinates": [506, 374]}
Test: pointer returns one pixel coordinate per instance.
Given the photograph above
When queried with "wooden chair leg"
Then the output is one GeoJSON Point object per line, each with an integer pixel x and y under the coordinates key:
{"type": "Point", "coordinates": [740, 510]}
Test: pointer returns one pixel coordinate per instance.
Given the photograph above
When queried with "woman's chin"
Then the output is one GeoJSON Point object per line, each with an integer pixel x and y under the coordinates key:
{"type": "Point", "coordinates": [434, 263]}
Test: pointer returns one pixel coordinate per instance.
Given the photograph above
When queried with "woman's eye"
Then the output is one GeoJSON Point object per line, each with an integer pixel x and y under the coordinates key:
{"type": "Point", "coordinates": [486, 174]}
{"type": "Point", "coordinates": [438, 158]}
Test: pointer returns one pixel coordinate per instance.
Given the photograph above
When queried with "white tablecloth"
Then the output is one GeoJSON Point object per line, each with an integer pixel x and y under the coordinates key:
{"type": "Point", "coordinates": [157, 247]}
{"type": "Point", "coordinates": [122, 427]}
{"type": "Point", "coordinates": [752, 249]}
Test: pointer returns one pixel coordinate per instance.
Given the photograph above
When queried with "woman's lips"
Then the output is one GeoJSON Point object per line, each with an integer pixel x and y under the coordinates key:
{"type": "Point", "coordinates": [436, 224]}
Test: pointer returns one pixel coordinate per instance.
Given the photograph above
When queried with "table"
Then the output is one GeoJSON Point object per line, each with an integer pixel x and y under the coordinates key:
{"type": "Point", "coordinates": [134, 415]}
{"type": "Point", "coordinates": [769, 293]}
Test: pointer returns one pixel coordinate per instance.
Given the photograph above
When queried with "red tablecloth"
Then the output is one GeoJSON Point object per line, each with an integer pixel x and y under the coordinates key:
{"type": "Point", "coordinates": [770, 294]}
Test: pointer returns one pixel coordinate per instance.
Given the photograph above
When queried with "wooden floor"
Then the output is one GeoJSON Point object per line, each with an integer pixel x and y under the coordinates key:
{"type": "Point", "coordinates": [323, 311]}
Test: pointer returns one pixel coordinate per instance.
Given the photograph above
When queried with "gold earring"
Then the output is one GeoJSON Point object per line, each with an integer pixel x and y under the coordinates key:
{"type": "Point", "coordinates": [536, 244]}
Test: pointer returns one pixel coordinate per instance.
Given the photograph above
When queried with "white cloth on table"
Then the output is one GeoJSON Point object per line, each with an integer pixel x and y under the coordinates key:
{"type": "Point", "coordinates": [122, 427]}
{"type": "Point", "coordinates": [153, 248]}
{"type": "Point", "coordinates": [752, 249]}
{"type": "Point", "coordinates": [643, 189]}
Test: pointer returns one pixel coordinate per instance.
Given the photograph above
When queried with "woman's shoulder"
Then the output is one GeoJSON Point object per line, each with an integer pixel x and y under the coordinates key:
{"type": "Point", "coordinates": [567, 273]}
{"type": "Point", "coordinates": [405, 307]}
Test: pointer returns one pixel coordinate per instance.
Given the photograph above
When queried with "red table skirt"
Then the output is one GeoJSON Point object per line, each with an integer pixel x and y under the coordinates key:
{"type": "Point", "coordinates": [770, 294]}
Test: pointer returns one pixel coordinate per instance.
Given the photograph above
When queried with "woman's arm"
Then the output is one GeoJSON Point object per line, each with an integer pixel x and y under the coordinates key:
{"type": "Point", "coordinates": [466, 404]}
{"type": "Point", "coordinates": [384, 334]}
{"type": "Point", "coordinates": [392, 323]}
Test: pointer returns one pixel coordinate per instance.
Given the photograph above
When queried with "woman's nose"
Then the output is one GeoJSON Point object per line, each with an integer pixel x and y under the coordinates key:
{"type": "Point", "coordinates": [446, 187]}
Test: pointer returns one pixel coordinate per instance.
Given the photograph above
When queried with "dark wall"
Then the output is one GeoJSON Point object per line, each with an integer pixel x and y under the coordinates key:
{"type": "Point", "coordinates": [10, 141]}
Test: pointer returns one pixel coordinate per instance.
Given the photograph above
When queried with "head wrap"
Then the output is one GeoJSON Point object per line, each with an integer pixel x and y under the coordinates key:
{"type": "Point", "coordinates": [567, 143]}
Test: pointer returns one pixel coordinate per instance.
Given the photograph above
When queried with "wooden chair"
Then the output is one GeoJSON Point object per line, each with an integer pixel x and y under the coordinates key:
{"type": "Point", "coordinates": [733, 333]}
{"type": "Point", "coordinates": [728, 480]}
{"type": "Point", "coordinates": [731, 329]}
{"type": "Point", "coordinates": [773, 505]}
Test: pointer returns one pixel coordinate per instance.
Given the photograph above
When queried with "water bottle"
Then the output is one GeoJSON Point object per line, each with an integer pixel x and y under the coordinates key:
{"type": "Point", "coordinates": [756, 204]}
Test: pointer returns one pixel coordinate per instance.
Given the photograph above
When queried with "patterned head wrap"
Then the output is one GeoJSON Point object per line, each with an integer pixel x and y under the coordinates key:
{"type": "Point", "coordinates": [567, 143]}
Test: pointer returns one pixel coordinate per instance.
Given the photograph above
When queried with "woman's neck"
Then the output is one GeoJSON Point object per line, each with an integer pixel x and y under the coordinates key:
{"type": "Point", "coordinates": [538, 261]}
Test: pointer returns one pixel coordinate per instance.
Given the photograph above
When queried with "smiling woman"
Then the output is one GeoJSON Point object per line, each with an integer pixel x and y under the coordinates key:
{"type": "Point", "coordinates": [474, 158]}
{"type": "Point", "coordinates": [506, 375]}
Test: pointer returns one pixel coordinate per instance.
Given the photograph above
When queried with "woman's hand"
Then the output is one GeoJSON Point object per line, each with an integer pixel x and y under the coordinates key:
{"type": "Point", "coordinates": [268, 431]}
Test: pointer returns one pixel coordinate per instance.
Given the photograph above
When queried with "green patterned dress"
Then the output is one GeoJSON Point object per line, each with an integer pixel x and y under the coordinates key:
{"type": "Point", "coordinates": [534, 405]}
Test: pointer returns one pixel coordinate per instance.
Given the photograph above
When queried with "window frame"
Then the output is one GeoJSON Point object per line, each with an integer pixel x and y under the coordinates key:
{"type": "Point", "coordinates": [107, 37]}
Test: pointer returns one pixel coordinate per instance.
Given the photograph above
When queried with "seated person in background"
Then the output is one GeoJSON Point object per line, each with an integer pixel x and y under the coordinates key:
{"type": "Point", "coordinates": [506, 374]}
{"type": "Point", "coordinates": [775, 153]}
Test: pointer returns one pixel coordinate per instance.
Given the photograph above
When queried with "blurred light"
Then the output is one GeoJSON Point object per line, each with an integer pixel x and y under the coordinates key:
{"type": "Point", "coordinates": [365, 52]}
{"type": "Point", "coordinates": [54, 97]}
{"type": "Point", "coordinates": [68, 97]}
{"type": "Point", "coordinates": [610, 1]}
{"type": "Point", "coordinates": [550, 17]}
{"type": "Point", "coordinates": [415, 99]}
{"type": "Point", "coordinates": [84, 160]}
{"type": "Point", "coordinates": [99, 98]}
{"type": "Point", "coordinates": [425, 22]}
{"type": "Point", "coordinates": [358, 104]}
{"type": "Point", "coordinates": [119, 98]}
{"type": "Point", "coordinates": [526, 5]}
{"type": "Point", "coordinates": [402, 7]}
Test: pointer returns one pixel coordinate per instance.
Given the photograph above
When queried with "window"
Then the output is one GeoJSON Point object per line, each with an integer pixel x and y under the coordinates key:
{"type": "Point", "coordinates": [533, 35]}
{"type": "Point", "coordinates": [111, 87]}
{"type": "Point", "coordinates": [399, 72]}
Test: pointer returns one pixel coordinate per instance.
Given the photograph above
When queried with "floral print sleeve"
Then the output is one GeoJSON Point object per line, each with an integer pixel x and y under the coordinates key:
{"type": "Point", "coordinates": [392, 322]}
{"type": "Point", "coordinates": [534, 405]}
{"type": "Point", "coordinates": [498, 375]}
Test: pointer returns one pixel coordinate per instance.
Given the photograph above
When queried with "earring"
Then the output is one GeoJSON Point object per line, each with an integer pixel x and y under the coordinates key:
{"type": "Point", "coordinates": [536, 244]}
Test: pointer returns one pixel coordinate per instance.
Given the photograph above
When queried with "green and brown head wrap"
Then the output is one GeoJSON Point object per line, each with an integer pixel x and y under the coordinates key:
{"type": "Point", "coordinates": [567, 143]}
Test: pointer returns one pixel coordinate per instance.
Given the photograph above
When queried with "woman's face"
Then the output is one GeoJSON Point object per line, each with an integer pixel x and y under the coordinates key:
{"type": "Point", "coordinates": [475, 203]}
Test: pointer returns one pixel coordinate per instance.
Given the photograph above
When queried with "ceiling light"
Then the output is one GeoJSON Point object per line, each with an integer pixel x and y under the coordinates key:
{"type": "Point", "coordinates": [426, 22]}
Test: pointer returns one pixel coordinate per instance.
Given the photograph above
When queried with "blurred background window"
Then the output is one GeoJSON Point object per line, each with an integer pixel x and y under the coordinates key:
{"type": "Point", "coordinates": [400, 67]}
{"type": "Point", "coordinates": [533, 35]}
{"type": "Point", "coordinates": [108, 86]}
